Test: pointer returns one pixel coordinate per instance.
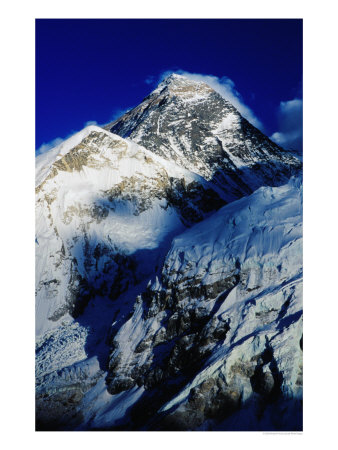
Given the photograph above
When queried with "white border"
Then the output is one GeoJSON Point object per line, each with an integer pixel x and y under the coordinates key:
{"type": "Point", "coordinates": [17, 219]}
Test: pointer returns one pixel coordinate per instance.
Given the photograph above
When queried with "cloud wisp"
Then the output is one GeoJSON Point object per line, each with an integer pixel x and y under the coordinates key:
{"type": "Point", "coordinates": [46, 146]}
{"type": "Point", "coordinates": [150, 79]}
{"type": "Point", "coordinates": [91, 122]}
{"type": "Point", "coordinates": [290, 119]}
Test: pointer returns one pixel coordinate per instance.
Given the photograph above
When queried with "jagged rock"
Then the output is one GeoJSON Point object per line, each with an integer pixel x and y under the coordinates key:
{"type": "Point", "coordinates": [120, 384]}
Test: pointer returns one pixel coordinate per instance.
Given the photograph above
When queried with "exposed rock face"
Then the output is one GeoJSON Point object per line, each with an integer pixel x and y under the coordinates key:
{"type": "Point", "coordinates": [189, 123]}
{"type": "Point", "coordinates": [160, 306]}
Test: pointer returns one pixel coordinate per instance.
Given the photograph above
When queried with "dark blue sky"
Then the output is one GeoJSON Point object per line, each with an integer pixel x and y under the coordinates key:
{"type": "Point", "coordinates": [90, 69]}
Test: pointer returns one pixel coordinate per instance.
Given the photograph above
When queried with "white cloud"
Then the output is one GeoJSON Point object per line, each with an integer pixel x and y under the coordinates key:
{"type": "Point", "coordinates": [150, 79]}
{"type": "Point", "coordinates": [49, 145]}
{"type": "Point", "coordinates": [90, 122]}
{"type": "Point", "coordinates": [226, 88]}
{"type": "Point", "coordinates": [290, 118]}
{"type": "Point", "coordinates": [46, 146]}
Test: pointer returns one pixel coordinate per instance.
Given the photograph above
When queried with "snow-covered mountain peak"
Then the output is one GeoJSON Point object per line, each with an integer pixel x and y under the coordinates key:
{"type": "Point", "coordinates": [44, 161]}
{"type": "Point", "coordinates": [183, 87]}
{"type": "Point", "coordinates": [186, 121]}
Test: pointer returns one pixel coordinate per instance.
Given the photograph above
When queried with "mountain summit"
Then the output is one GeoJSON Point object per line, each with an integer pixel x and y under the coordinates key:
{"type": "Point", "coordinates": [179, 85]}
{"type": "Point", "coordinates": [186, 121]}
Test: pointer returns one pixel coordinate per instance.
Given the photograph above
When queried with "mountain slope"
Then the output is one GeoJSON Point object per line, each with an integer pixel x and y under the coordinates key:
{"type": "Point", "coordinates": [102, 196]}
{"type": "Point", "coordinates": [221, 329]}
